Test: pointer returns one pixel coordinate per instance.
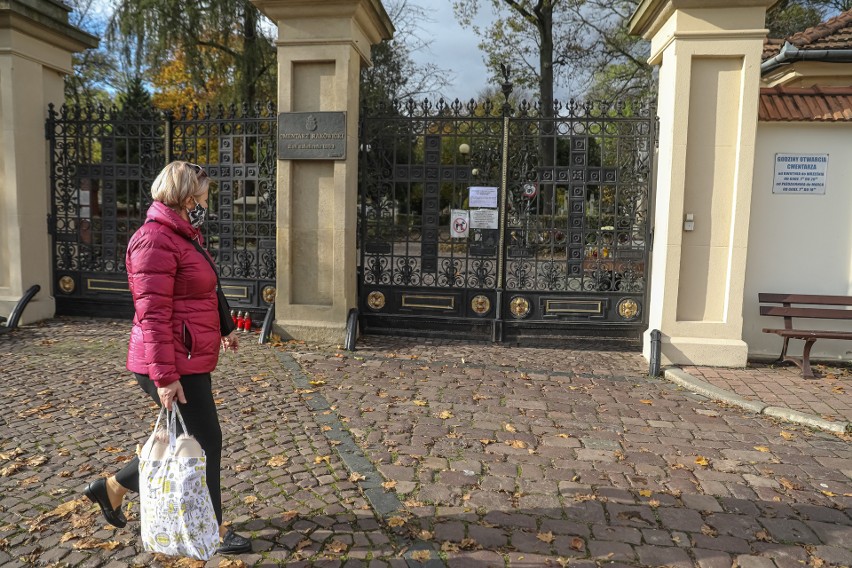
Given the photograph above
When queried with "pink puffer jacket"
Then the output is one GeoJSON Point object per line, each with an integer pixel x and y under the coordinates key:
{"type": "Point", "coordinates": [176, 326]}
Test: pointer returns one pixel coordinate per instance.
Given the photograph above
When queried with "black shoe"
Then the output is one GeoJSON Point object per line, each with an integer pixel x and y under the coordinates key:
{"type": "Point", "coordinates": [232, 543]}
{"type": "Point", "coordinates": [96, 491]}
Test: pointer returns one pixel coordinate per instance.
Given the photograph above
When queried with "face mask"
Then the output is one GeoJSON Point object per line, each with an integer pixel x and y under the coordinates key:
{"type": "Point", "coordinates": [197, 215]}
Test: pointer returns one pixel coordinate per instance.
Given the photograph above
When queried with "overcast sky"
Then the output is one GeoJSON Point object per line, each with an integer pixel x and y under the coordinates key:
{"type": "Point", "coordinates": [453, 48]}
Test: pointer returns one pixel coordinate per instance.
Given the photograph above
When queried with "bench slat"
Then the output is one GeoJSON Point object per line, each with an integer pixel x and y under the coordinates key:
{"type": "Point", "coordinates": [819, 313]}
{"type": "Point", "coordinates": [815, 299]}
{"type": "Point", "coordinates": [804, 333]}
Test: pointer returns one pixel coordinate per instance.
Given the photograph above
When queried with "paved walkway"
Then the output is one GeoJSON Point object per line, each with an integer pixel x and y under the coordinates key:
{"type": "Point", "coordinates": [412, 453]}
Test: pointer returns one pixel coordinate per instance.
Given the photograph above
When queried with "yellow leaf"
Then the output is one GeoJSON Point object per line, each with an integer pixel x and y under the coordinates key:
{"type": "Point", "coordinates": [509, 428]}
{"type": "Point", "coordinates": [645, 492]}
{"type": "Point", "coordinates": [289, 516]}
{"type": "Point", "coordinates": [336, 546]}
{"type": "Point", "coordinates": [317, 383]}
{"type": "Point", "coordinates": [702, 461]}
{"type": "Point", "coordinates": [563, 436]}
{"type": "Point", "coordinates": [396, 522]}
{"type": "Point", "coordinates": [448, 546]}
{"type": "Point", "coordinates": [646, 401]}
{"type": "Point", "coordinates": [763, 449]}
{"type": "Point", "coordinates": [654, 503]}
{"type": "Point", "coordinates": [389, 484]}
{"type": "Point", "coordinates": [787, 435]}
{"type": "Point", "coordinates": [545, 537]}
{"type": "Point", "coordinates": [828, 493]}
{"type": "Point", "coordinates": [445, 415]}
{"type": "Point", "coordinates": [421, 403]}
{"type": "Point", "coordinates": [421, 555]}
{"type": "Point", "coordinates": [277, 461]}
{"type": "Point", "coordinates": [250, 500]}
{"type": "Point", "coordinates": [425, 535]}
{"type": "Point", "coordinates": [486, 441]}
{"type": "Point", "coordinates": [354, 477]}
{"type": "Point", "coordinates": [320, 459]}
{"type": "Point", "coordinates": [517, 444]}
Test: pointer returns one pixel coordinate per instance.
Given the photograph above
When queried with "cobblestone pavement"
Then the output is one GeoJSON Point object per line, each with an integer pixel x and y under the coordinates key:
{"type": "Point", "coordinates": [410, 452]}
{"type": "Point", "coordinates": [829, 396]}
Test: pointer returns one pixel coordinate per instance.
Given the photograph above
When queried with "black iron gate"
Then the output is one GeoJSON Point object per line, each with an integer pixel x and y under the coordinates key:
{"type": "Point", "coordinates": [479, 219]}
{"type": "Point", "coordinates": [102, 164]}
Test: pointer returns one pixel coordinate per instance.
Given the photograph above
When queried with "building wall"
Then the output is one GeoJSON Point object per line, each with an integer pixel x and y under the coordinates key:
{"type": "Point", "coordinates": [799, 243]}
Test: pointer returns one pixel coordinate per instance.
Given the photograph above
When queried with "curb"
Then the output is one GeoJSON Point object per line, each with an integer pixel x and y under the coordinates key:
{"type": "Point", "coordinates": [684, 379]}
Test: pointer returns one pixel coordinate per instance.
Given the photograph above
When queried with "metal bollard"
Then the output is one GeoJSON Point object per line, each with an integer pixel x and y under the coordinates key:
{"type": "Point", "coordinates": [654, 369]}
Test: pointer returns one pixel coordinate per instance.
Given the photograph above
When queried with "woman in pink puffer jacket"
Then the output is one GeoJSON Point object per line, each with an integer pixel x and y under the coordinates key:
{"type": "Point", "coordinates": [174, 343]}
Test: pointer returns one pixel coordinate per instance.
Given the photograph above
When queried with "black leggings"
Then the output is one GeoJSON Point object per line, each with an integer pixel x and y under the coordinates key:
{"type": "Point", "coordinates": [199, 414]}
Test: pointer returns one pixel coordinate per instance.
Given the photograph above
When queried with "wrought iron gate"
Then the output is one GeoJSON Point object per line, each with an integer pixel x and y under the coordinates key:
{"type": "Point", "coordinates": [102, 164]}
{"type": "Point", "coordinates": [480, 219]}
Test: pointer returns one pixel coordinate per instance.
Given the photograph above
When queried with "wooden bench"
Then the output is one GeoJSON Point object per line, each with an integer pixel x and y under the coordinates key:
{"type": "Point", "coordinates": [830, 309]}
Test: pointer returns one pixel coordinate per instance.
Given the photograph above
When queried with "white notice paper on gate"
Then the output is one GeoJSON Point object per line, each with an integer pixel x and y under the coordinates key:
{"type": "Point", "coordinates": [482, 197]}
{"type": "Point", "coordinates": [483, 219]}
{"type": "Point", "coordinates": [459, 223]}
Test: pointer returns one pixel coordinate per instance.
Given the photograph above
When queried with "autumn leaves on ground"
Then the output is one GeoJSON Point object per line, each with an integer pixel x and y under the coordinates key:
{"type": "Point", "coordinates": [408, 452]}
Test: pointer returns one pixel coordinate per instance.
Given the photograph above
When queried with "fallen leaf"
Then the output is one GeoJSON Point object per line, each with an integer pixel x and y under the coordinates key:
{"type": "Point", "coordinates": [762, 535]}
{"type": "Point", "coordinates": [577, 544]}
{"type": "Point", "coordinates": [277, 461]}
{"type": "Point", "coordinates": [545, 537]}
{"type": "Point", "coordinates": [421, 403]}
{"type": "Point", "coordinates": [250, 500]}
{"type": "Point", "coordinates": [702, 461]}
{"type": "Point", "coordinates": [448, 546]}
{"type": "Point", "coordinates": [317, 383]}
{"type": "Point", "coordinates": [425, 535]}
{"type": "Point", "coordinates": [789, 484]}
{"type": "Point", "coordinates": [421, 555]}
{"type": "Point", "coordinates": [289, 516]}
{"type": "Point", "coordinates": [396, 522]}
{"type": "Point", "coordinates": [354, 477]}
{"type": "Point", "coordinates": [787, 435]}
{"type": "Point", "coordinates": [336, 546]}
{"type": "Point", "coordinates": [509, 428]}
{"type": "Point", "coordinates": [320, 459]}
{"type": "Point", "coordinates": [709, 531]}
{"type": "Point", "coordinates": [445, 415]}
{"type": "Point", "coordinates": [10, 470]}
{"type": "Point", "coordinates": [763, 449]}
{"type": "Point", "coordinates": [828, 493]}
{"type": "Point", "coordinates": [646, 401]}
{"type": "Point", "coordinates": [517, 444]}
{"type": "Point", "coordinates": [389, 484]}
{"type": "Point", "coordinates": [645, 492]}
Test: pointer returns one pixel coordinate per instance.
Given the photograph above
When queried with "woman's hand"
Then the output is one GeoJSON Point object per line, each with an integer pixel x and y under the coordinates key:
{"type": "Point", "coordinates": [170, 393]}
{"type": "Point", "coordinates": [231, 342]}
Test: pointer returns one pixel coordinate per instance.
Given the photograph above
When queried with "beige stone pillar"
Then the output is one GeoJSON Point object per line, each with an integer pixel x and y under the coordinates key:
{"type": "Point", "coordinates": [36, 44]}
{"type": "Point", "coordinates": [321, 48]}
{"type": "Point", "coordinates": [709, 56]}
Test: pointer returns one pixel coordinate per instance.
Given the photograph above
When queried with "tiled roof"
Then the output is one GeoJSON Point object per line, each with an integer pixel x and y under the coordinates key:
{"type": "Point", "coordinates": [835, 33]}
{"type": "Point", "coordinates": [815, 104]}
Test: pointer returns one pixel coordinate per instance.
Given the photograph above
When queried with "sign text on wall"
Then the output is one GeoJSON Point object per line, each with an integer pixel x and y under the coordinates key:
{"type": "Point", "coordinates": [312, 136]}
{"type": "Point", "coordinates": [800, 173]}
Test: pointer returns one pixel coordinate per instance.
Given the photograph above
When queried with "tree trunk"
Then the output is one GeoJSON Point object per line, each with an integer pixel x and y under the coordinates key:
{"type": "Point", "coordinates": [547, 142]}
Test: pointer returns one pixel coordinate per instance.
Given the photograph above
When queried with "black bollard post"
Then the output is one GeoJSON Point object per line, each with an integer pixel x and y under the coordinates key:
{"type": "Point", "coordinates": [654, 369]}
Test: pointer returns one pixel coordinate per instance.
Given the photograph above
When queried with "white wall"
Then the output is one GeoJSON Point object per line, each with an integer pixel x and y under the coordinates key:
{"type": "Point", "coordinates": [799, 243]}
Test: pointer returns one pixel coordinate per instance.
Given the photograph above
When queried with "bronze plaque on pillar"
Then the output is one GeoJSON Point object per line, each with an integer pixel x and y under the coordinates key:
{"type": "Point", "coordinates": [312, 136]}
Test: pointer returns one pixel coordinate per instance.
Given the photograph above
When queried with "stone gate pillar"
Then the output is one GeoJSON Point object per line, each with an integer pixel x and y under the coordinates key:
{"type": "Point", "coordinates": [709, 56]}
{"type": "Point", "coordinates": [321, 48]}
{"type": "Point", "coordinates": [36, 44]}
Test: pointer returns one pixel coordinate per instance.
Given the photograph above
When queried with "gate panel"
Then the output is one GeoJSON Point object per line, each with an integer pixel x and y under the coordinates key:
{"type": "Point", "coordinates": [103, 162]}
{"type": "Point", "coordinates": [416, 165]}
{"type": "Point", "coordinates": [570, 248]}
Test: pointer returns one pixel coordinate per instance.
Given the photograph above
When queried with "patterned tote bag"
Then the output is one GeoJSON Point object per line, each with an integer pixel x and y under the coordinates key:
{"type": "Point", "coordinates": [178, 518]}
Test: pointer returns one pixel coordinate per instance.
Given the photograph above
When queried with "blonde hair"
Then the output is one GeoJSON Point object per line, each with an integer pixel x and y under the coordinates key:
{"type": "Point", "coordinates": [177, 182]}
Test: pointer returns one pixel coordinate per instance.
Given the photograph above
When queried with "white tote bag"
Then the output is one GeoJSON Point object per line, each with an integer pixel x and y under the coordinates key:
{"type": "Point", "coordinates": [178, 518]}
